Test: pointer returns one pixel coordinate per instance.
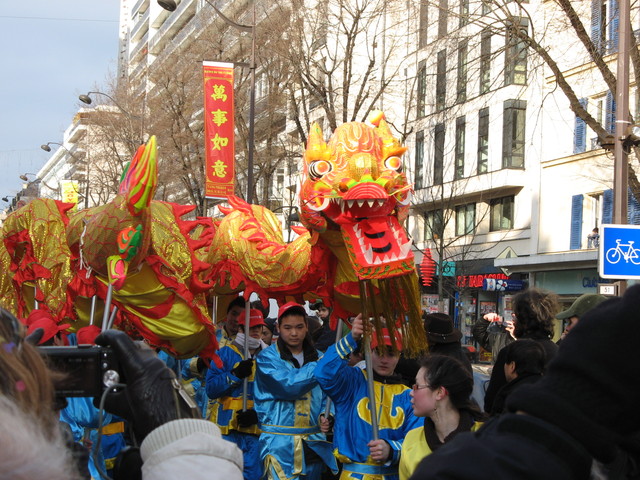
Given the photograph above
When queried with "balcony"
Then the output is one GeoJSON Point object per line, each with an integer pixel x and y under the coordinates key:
{"type": "Point", "coordinates": [139, 46]}
{"type": "Point", "coordinates": [141, 6]}
{"type": "Point", "coordinates": [172, 25]}
{"type": "Point", "coordinates": [77, 132]}
{"type": "Point", "coordinates": [140, 27]}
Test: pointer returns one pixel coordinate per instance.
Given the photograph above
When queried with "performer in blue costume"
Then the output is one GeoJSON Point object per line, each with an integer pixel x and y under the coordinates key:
{"type": "Point", "coordinates": [363, 458]}
{"type": "Point", "coordinates": [289, 403]}
{"type": "Point", "coordinates": [226, 330]}
{"type": "Point", "coordinates": [225, 385]}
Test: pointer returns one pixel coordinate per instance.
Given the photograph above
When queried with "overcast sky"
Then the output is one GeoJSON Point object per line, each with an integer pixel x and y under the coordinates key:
{"type": "Point", "coordinates": [52, 51]}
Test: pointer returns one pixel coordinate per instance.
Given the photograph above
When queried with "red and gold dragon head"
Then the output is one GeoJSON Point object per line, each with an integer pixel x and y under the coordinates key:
{"type": "Point", "coordinates": [355, 183]}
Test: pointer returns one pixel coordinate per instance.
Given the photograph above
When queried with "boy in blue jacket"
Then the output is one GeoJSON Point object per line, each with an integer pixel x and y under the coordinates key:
{"type": "Point", "coordinates": [225, 385]}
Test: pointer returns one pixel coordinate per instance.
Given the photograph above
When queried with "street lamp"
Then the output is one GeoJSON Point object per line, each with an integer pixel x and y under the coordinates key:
{"type": "Point", "coordinates": [6, 199]}
{"type": "Point", "coordinates": [171, 5]}
{"type": "Point", "coordinates": [47, 148]}
{"type": "Point", "coordinates": [85, 98]}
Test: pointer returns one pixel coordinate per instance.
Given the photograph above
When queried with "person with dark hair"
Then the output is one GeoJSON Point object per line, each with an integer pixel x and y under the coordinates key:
{"type": "Point", "coordinates": [228, 329]}
{"type": "Point", "coordinates": [289, 402]}
{"type": "Point", "coordinates": [578, 308]}
{"type": "Point", "coordinates": [534, 310]}
{"type": "Point", "coordinates": [173, 441]}
{"type": "Point", "coordinates": [444, 338]}
{"type": "Point", "coordinates": [326, 336]}
{"type": "Point", "coordinates": [360, 454]}
{"type": "Point", "coordinates": [493, 333]}
{"type": "Point", "coordinates": [441, 394]}
{"type": "Point", "coordinates": [269, 330]}
{"type": "Point", "coordinates": [225, 386]}
{"type": "Point", "coordinates": [523, 364]}
{"type": "Point", "coordinates": [580, 421]}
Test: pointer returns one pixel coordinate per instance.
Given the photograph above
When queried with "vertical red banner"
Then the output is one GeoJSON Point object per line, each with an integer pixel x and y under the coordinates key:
{"type": "Point", "coordinates": [219, 129]}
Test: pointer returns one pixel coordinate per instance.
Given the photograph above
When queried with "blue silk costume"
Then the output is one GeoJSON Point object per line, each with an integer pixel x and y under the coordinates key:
{"type": "Point", "coordinates": [226, 389]}
{"type": "Point", "coordinates": [347, 387]}
{"type": "Point", "coordinates": [289, 403]}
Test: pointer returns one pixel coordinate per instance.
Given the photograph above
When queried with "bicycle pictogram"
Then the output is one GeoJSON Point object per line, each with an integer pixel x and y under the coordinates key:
{"type": "Point", "coordinates": [623, 251]}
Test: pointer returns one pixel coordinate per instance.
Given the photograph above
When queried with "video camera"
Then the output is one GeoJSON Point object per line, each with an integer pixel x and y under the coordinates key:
{"type": "Point", "coordinates": [88, 369]}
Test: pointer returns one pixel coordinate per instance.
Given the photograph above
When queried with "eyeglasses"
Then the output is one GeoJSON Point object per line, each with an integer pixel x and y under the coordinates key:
{"type": "Point", "coordinates": [420, 387]}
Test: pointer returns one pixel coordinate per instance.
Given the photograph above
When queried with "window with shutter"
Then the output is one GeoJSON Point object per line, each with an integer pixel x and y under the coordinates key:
{"type": "Point", "coordinates": [610, 115]}
{"type": "Point", "coordinates": [613, 16]}
{"type": "Point", "coordinates": [597, 27]}
{"type": "Point", "coordinates": [576, 222]}
{"type": "Point", "coordinates": [607, 206]}
{"type": "Point", "coordinates": [633, 210]}
{"type": "Point", "coordinates": [580, 132]}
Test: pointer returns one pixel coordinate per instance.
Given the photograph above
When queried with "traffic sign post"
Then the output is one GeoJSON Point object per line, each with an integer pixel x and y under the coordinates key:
{"type": "Point", "coordinates": [619, 251]}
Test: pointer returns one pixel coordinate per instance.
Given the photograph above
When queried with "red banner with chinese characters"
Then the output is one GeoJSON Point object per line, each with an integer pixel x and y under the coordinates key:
{"type": "Point", "coordinates": [219, 129]}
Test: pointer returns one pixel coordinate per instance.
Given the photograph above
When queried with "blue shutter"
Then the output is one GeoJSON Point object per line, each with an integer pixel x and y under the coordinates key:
{"type": "Point", "coordinates": [633, 210]}
{"type": "Point", "coordinates": [596, 6]}
{"type": "Point", "coordinates": [607, 206]}
{"type": "Point", "coordinates": [576, 222]}
{"type": "Point", "coordinates": [614, 20]}
{"type": "Point", "coordinates": [580, 131]}
{"type": "Point", "coordinates": [610, 115]}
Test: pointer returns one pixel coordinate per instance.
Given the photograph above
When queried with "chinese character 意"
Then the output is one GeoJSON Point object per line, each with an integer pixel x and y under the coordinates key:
{"type": "Point", "coordinates": [218, 93]}
{"type": "Point", "coordinates": [219, 141]}
{"type": "Point", "coordinates": [219, 169]}
{"type": "Point", "coordinates": [219, 117]}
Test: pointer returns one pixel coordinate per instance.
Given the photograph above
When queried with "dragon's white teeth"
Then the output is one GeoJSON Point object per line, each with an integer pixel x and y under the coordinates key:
{"type": "Point", "coordinates": [372, 203]}
{"type": "Point", "coordinates": [377, 261]}
{"type": "Point", "coordinates": [342, 206]}
{"type": "Point", "coordinates": [404, 250]}
{"type": "Point", "coordinates": [350, 203]}
{"type": "Point", "coordinates": [386, 259]}
{"type": "Point", "coordinates": [368, 255]}
{"type": "Point", "coordinates": [357, 231]}
{"type": "Point", "coordinates": [361, 202]}
{"type": "Point", "coordinates": [361, 241]}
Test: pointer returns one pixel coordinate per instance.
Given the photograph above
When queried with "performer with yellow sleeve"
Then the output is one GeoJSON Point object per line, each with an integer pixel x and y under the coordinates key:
{"type": "Point", "coordinates": [225, 385]}
{"type": "Point", "coordinates": [362, 457]}
{"type": "Point", "coordinates": [441, 394]}
{"type": "Point", "coordinates": [289, 403]}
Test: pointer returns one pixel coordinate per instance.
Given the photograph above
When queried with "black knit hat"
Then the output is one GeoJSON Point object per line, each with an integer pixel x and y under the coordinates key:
{"type": "Point", "coordinates": [591, 389]}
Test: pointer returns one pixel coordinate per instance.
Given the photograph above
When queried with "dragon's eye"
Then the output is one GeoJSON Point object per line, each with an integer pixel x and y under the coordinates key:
{"type": "Point", "coordinates": [318, 168]}
{"type": "Point", "coordinates": [393, 163]}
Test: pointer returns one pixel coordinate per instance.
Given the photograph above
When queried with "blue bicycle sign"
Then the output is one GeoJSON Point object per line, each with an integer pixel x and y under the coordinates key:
{"type": "Point", "coordinates": [619, 257]}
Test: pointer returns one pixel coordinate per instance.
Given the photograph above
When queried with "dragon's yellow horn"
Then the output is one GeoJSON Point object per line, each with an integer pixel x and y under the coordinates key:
{"type": "Point", "coordinates": [390, 144]}
{"type": "Point", "coordinates": [316, 146]}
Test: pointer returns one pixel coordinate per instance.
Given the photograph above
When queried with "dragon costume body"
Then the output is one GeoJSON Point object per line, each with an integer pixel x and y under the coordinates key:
{"type": "Point", "coordinates": [352, 251]}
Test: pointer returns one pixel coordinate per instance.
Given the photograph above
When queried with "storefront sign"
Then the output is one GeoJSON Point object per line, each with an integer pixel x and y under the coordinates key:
{"type": "Point", "coordinates": [219, 129]}
{"type": "Point", "coordinates": [500, 285]}
{"type": "Point", "coordinates": [475, 281]}
{"type": "Point", "coordinates": [69, 190]}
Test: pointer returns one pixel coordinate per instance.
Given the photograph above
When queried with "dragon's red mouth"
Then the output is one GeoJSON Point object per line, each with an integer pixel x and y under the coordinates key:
{"type": "Point", "coordinates": [373, 236]}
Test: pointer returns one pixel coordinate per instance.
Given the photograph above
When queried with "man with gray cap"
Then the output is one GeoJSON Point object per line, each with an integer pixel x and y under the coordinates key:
{"type": "Point", "coordinates": [582, 305]}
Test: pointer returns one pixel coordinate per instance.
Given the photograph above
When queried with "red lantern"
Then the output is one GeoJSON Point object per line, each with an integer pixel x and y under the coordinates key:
{"type": "Point", "coordinates": [427, 268]}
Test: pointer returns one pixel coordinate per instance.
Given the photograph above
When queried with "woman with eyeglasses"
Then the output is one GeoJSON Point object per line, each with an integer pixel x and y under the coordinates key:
{"type": "Point", "coordinates": [441, 394]}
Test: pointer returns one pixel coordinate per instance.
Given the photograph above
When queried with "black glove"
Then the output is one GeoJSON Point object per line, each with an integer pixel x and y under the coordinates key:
{"type": "Point", "coordinates": [247, 418]}
{"type": "Point", "coordinates": [201, 366]}
{"type": "Point", "coordinates": [243, 369]}
{"type": "Point", "coordinates": [150, 398]}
